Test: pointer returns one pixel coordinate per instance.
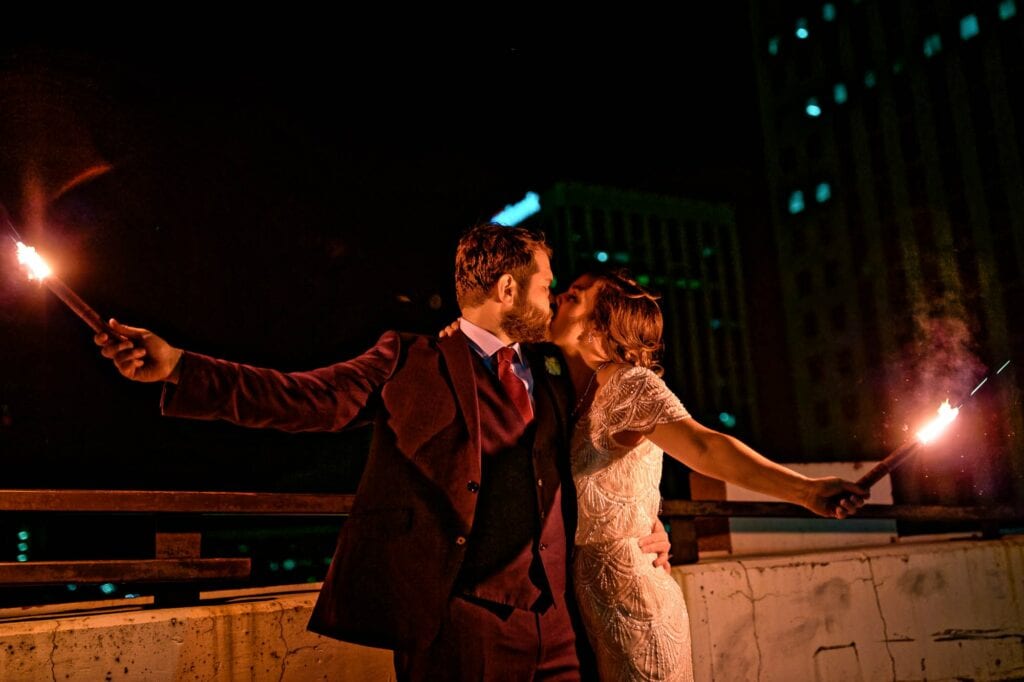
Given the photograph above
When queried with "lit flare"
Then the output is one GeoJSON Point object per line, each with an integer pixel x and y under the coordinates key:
{"type": "Point", "coordinates": [37, 267]}
{"type": "Point", "coordinates": [936, 426]}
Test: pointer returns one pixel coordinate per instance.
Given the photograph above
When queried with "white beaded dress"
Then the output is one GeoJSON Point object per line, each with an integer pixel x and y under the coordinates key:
{"type": "Point", "coordinates": [634, 613]}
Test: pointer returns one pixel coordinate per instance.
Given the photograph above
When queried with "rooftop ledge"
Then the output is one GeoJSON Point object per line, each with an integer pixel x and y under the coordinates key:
{"type": "Point", "coordinates": [910, 611]}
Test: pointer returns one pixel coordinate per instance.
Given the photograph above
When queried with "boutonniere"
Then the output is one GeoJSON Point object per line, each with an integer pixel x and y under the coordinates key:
{"type": "Point", "coordinates": [553, 366]}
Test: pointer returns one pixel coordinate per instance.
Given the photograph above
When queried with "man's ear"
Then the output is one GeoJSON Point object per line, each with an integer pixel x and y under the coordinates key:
{"type": "Point", "coordinates": [505, 289]}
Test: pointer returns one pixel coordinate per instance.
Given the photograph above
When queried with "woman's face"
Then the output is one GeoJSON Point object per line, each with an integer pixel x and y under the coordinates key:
{"type": "Point", "coordinates": [575, 307]}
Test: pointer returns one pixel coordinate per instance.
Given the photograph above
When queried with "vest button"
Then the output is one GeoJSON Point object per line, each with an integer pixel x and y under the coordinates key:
{"type": "Point", "coordinates": [473, 487]}
{"type": "Point", "coordinates": [540, 482]}
{"type": "Point", "coordinates": [460, 540]}
{"type": "Point", "coordinates": [543, 547]}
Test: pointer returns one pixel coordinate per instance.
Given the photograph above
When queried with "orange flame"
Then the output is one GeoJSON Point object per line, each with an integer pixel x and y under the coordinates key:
{"type": "Point", "coordinates": [37, 267]}
{"type": "Point", "coordinates": [935, 427]}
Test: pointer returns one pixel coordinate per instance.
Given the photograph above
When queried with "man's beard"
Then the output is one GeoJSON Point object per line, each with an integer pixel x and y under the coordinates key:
{"type": "Point", "coordinates": [525, 322]}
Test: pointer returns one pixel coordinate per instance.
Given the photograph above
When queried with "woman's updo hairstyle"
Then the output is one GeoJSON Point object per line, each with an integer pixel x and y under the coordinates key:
{"type": "Point", "coordinates": [630, 317]}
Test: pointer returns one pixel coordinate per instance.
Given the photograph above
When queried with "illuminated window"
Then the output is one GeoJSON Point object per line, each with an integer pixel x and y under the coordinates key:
{"type": "Point", "coordinates": [813, 109]}
{"type": "Point", "coordinates": [823, 192]}
{"type": "Point", "coordinates": [716, 323]}
{"type": "Point", "coordinates": [870, 80]}
{"type": "Point", "coordinates": [22, 557]}
{"type": "Point", "coordinates": [773, 45]}
{"type": "Point", "coordinates": [796, 202]}
{"type": "Point", "coordinates": [969, 27]}
{"type": "Point", "coordinates": [643, 280]}
{"type": "Point", "coordinates": [621, 257]}
{"type": "Point", "coordinates": [801, 29]}
{"type": "Point", "coordinates": [839, 93]}
{"type": "Point", "coordinates": [728, 420]}
{"type": "Point", "coordinates": [828, 12]}
{"type": "Point", "coordinates": [23, 535]}
{"type": "Point", "coordinates": [1007, 9]}
{"type": "Point", "coordinates": [108, 588]}
{"type": "Point", "coordinates": [513, 214]}
{"type": "Point", "coordinates": [601, 256]}
{"type": "Point", "coordinates": [932, 45]}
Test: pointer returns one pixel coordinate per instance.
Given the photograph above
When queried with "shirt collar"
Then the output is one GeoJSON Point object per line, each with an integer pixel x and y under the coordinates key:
{"type": "Point", "coordinates": [487, 344]}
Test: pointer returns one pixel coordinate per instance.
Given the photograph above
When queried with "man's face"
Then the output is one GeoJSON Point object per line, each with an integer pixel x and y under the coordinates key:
{"type": "Point", "coordinates": [531, 313]}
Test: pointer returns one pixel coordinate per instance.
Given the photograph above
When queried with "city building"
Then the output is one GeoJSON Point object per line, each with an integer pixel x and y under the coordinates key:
{"type": "Point", "coordinates": [892, 138]}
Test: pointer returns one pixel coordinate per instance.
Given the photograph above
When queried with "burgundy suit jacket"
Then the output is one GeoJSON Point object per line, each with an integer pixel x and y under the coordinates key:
{"type": "Point", "coordinates": [400, 550]}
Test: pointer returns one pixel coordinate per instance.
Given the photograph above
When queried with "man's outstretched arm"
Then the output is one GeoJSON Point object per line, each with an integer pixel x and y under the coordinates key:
{"type": "Point", "coordinates": [201, 387]}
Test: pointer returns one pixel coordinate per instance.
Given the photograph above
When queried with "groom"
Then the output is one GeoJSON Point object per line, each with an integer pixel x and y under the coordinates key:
{"type": "Point", "coordinates": [456, 551]}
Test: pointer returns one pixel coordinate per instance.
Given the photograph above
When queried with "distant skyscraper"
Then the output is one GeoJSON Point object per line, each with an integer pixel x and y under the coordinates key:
{"type": "Point", "coordinates": [687, 251]}
{"type": "Point", "coordinates": [892, 134]}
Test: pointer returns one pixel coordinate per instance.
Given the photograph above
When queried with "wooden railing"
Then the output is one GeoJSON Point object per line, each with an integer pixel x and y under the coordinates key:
{"type": "Point", "coordinates": [177, 569]}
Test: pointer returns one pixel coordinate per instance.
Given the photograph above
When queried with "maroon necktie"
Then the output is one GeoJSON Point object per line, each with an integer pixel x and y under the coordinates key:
{"type": "Point", "coordinates": [513, 385]}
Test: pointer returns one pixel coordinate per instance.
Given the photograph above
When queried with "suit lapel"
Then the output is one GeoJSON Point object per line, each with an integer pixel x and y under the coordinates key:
{"type": "Point", "coordinates": [549, 398]}
{"type": "Point", "coordinates": [459, 361]}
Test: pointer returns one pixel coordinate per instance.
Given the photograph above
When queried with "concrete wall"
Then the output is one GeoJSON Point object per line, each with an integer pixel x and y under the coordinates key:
{"type": "Point", "coordinates": [919, 611]}
{"type": "Point", "coordinates": [254, 638]}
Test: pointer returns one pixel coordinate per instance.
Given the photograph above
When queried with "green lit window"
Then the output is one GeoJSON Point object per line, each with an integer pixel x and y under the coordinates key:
{"type": "Point", "coordinates": [870, 80]}
{"type": "Point", "coordinates": [969, 27]}
{"type": "Point", "coordinates": [828, 12]}
{"type": "Point", "coordinates": [813, 109]}
{"type": "Point", "coordinates": [839, 93]}
{"type": "Point", "coordinates": [796, 202]}
{"type": "Point", "coordinates": [773, 45]}
{"type": "Point", "coordinates": [823, 192]}
{"type": "Point", "coordinates": [1007, 9]}
{"type": "Point", "coordinates": [932, 45]}
{"type": "Point", "coordinates": [801, 29]}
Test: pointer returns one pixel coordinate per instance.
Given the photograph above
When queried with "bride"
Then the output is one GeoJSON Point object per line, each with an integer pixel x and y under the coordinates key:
{"type": "Point", "coordinates": [609, 330]}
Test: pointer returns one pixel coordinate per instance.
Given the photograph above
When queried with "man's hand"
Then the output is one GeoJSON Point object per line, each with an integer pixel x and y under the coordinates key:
{"type": "Point", "coordinates": [657, 543]}
{"type": "Point", "coordinates": [833, 497]}
{"type": "Point", "coordinates": [141, 355]}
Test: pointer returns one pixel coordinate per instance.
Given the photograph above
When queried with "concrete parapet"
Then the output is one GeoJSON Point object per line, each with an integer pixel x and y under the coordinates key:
{"type": "Point", "coordinates": [950, 610]}
{"type": "Point", "coordinates": [257, 637]}
{"type": "Point", "coordinates": [912, 611]}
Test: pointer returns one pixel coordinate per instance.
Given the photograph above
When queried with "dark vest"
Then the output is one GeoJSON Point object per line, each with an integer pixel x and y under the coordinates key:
{"type": "Point", "coordinates": [516, 552]}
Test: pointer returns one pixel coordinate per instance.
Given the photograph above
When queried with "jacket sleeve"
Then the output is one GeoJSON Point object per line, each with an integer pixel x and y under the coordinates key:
{"type": "Point", "coordinates": [326, 399]}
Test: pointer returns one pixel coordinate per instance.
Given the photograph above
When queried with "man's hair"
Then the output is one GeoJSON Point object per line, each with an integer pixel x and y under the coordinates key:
{"type": "Point", "coordinates": [630, 316]}
{"type": "Point", "coordinates": [488, 251]}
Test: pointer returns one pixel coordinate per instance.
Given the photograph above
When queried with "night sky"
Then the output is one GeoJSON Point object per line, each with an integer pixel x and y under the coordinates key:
{"type": "Point", "coordinates": [284, 202]}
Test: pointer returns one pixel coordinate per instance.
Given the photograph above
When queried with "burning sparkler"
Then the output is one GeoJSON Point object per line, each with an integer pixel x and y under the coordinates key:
{"type": "Point", "coordinates": [928, 433]}
{"type": "Point", "coordinates": [38, 269]}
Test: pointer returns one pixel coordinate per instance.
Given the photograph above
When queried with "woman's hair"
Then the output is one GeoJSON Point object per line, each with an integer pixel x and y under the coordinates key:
{"type": "Point", "coordinates": [629, 315]}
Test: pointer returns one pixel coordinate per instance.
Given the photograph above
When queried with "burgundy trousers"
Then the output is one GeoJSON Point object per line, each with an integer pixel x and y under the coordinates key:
{"type": "Point", "coordinates": [479, 640]}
